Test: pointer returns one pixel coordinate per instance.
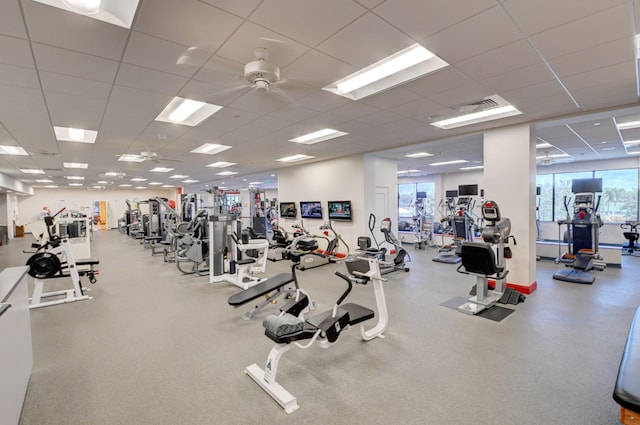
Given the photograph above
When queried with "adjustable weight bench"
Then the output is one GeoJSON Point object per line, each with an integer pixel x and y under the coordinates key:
{"type": "Point", "coordinates": [627, 390]}
{"type": "Point", "coordinates": [272, 288]}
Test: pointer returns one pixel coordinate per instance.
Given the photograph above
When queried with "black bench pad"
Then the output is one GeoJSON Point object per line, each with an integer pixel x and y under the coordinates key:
{"type": "Point", "coordinates": [87, 262]}
{"type": "Point", "coordinates": [260, 289]}
{"type": "Point", "coordinates": [627, 390]}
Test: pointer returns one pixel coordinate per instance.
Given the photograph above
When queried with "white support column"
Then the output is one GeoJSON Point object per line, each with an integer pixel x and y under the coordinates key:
{"type": "Point", "coordinates": [509, 180]}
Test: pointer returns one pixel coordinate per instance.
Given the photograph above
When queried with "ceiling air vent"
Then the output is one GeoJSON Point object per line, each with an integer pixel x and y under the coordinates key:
{"type": "Point", "coordinates": [485, 103]}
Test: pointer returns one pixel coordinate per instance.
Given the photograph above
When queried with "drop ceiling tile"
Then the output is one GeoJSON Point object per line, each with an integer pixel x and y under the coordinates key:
{"type": "Point", "coordinates": [625, 72]}
{"type": "Point", "coordinates": [601, 56]}
{"type": "Point", "coordinates": [18, 76]}
{"type": "Point", "coordinates": [352, 111]}
{"type": "Point", "coordinates": [65, 84]}
{"type": "Point", "coordinates": [75, 111]}
{"type": "Point", "coordinates": [536, 91]}
{"type": "Point", "coordinates": [420, 18]}
{"type": "Point", "coordinates": [591, 31]}
{"type": "Point", "coordinates": [241, 45]}
{"type": "Point", "coordinates": [548, 107]}
{"type": "Point", "coordinates": [221, 72]}
{"type": "Point", "coordinates": [317, 69]}
{"type": "Point", "coordinates": [57, 27]}
{"type": "Point", "coordinates": [419, 109]}
{"type": "Point", "coordinates": [322, 101]}
{"type": "Point", "coordinates": [519, 78]}
{"type": "Point", "coordinates": [307, 21]}
{"type": "Point", "coordinates": [370, 4]}
{"type": "Point", "coordinates": [211, 93]}
{"type": "Point", "coordinates": [382, 40]}
{"type": "Point", "coordinates": [481, 33]}
{"type": "Point", "coordinates": [166, 19]}
{"type": "Point", "coordinates": [149, 79]}
{"type": "Point", "coordinates": [160, 55]}
{"type": "Point", "coordinates": [445, 79]}
{"type": "Point", "coordinates": [295, 114]}
{"type": "Point", "coordinates": [11, 20]}
{"type": "Point", "coordinates": [241, 8]}
{"type": "Point", "coordinates": [80, 65]}
{"type": "Point", "coordinates": [257, 102]}
{"type": "Point", "coordinates": [15, 51]}
{"type": "Point", "coordinates": [503, 59]}
{"type": "Point", "coordinates": [391, 98]}
{"type": "Point", "coordinates": [606, 95]}
{"type": "Point", "coordinates": [534, 17]}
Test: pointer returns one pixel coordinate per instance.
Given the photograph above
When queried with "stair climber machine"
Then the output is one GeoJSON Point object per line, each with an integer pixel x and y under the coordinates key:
{"type": "Point", "coordinates": [583, 229]}
{"type": "Point", "coordinates": [54, 259]}
{"type": "Point", "coordinates": [232, 258]}
{"type": "Point", "coordinates": [461, 221]}
{"type": "Point", "coordinates": [481, 260]}
{"type": "Point", "coordinates": [290, 330]}
{"type": "Point", "coordinates": [398, 262]}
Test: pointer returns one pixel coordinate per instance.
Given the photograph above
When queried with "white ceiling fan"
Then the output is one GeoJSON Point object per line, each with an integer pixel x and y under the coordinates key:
{"type": "Point", "coordinates": [146, 155]}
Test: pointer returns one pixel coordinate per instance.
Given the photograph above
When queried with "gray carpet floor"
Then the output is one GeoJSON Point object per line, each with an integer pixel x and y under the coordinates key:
{"type": "Point", "coordinates": [155, 346]}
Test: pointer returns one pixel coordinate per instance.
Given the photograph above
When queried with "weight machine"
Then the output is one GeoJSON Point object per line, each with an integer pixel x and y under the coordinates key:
{"type": "Point", "coordinates": [54, 259]}
{"type": "Point", "coordinates": [630, 233]}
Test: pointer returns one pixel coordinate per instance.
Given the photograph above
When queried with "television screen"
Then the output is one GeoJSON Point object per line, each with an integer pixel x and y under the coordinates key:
{"type": "Point", "coordinates": [310, 210]}
{"type": "Point", "coordinates": [339, 210]}
{"type": "Point", "coordinates": [288, 210]}
{"type": "Point", "coordinates": [421, 195]}
{"type": "Point", "coordinates": [468, 190]}
{"type": "Point", "coordinates": [451, 194]}
{"type": "Point", "coordinates": [586, 185]}
{"type": "Point", "coordinates": [538, 190]}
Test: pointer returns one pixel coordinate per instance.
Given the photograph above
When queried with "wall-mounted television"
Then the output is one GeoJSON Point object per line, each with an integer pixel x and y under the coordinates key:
{"type": "Point", "coordinates": [586, 185]}
{"type": "Point", "coordinates": [468, 190]}
{"type": "Point", "coordinates": [288, 210]}
{"type": "Point", "coordinates": [310, 209]}
{"type": "Point", "coordinates": [451, 193]}
{"type": "Point", "coordinates": [339, 210]}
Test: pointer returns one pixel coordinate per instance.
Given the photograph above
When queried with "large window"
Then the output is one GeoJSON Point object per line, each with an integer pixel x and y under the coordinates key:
{"type": "Point", "coordinates": [407, 194]}
{"type": "Point", "coordinates": [619, 200]}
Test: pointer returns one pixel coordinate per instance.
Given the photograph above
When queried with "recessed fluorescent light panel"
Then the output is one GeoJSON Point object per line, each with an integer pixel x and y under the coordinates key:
{"type": "Point", "coordinates": [475, 167]}
{"type": "Point", "coordinates": [418, 155]}
{"type": "Point", "coordinates": [255, 183]}
{"type": "Point", "coordinates": [125, 185]}
{"type": "Point", "coordinates": [210, 148]}
{"type": "Point", "coordinates": [44, 181]}
{"type": "Point", "coordinates": [114, 12]}
{"type": "Point", "coordinates": [187, 112]}
{"type": "Point", "coordinates": [543, 145]}
{"type": "Point", "coordinates": [102, 182]}
{"type": "Point", "coordinates": [75, 184]}
{"type": "Point", "coordinates": [226, 173]}
{"type": "Point", "coordinates": [318, 136]}
{"type": "Point", "coordinates": [131, 158]}
{"type": "Point", "coordinates": [178, 176]}
{"type": "Point", "coordinates": [627, 125]}
{"type": "Point", "coordinates": [31, 171]}
{"type": "Point", "coordinates": [161, 170]}
{"type": "Point", "coordinates": [79, 135]}
{"type": "Point", "coordinates": [631, 142]}
{"type": "Point", "coordinates": [408, 64]}
{"type": "Point", "coordinates": [155, 183]}
{"type": "Point", "coordinates": [408, 171]}
{"type": "Point", "coordinates": [167, 185]}
{"type": "Point", "coordinates": [51, 186]}
{"type": "Point", "coordinates": [557, 155]}
{"type": "Point", "coordinates": [190, 181]}
{"type": "Point", "coordinates": [12, 150]}
{"type": "Point", "coordinates": [456, 161]}
{"type": "Point", "coordinates": [295, 158]}
{"type": "Point", "coordinates": [75, 165]}
{"type": "Point", "coordinates": [75, 178]}
{"type": "Point", "coordinates": [221, 164]}
{"type": "Point", "coordinates": [138, 179]}
{"type": "Point", "coordinates": [477, 117]}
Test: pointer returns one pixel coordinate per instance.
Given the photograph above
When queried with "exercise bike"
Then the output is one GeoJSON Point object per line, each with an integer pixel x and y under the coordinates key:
{"type": "Point", "coordinates": [54, 259]}
{"type": "Point", "coordinates": [288, 331]}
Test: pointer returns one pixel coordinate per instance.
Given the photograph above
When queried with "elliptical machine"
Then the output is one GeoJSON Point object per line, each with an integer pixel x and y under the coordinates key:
{"type": "Point", "coordinates": [462, 222]}
{"type": "Point", "coordinates": [582, 234]}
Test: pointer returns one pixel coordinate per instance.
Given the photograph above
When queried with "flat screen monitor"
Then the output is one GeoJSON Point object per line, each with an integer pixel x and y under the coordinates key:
{"type": "Point", "coordinates": [310, 210]}
{"type": "Point", "coordinates": [421, 195]}
{"type": "Point", "coordinates": [586, 185]}
{"type": "Point", "coordinates": [451, 193]}
{"type": "Point", "coordinates": [468, 190]}
{"type": "Point", "coordinates": [288, 210]}
{"type": "Point", "coordinates": [339, 210]}
{"type": "Point", "coordinates": [538, 190]}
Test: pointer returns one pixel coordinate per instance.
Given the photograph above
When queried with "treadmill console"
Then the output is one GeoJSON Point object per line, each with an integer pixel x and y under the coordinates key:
{"type": "Point", "coordinates": [490, 211]}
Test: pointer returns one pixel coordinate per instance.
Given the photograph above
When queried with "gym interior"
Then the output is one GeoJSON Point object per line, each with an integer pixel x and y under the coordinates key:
{"type": "Point", "coordinates": [205, 219]}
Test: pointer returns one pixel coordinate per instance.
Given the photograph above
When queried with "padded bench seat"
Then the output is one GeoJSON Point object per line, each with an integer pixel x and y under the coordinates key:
{"type": "Point", "coordinates": [627, 390]}
{"type": "Point", "coordinates": [87, 262]}
{"type": "Point", "coordinates": [260, 289]}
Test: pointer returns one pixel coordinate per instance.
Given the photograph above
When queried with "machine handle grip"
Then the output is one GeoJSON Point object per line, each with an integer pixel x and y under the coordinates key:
{"type": "Point", "coordinates": [63, 208]}
{"type": "Point", "coordinates": [4, 307]}
{"type": "Point", "coordinates": [344, 295]}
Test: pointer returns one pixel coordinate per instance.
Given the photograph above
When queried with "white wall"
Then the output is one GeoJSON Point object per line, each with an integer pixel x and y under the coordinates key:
{"type": "Point", "coordinates": [340, 179]}
{"type": "Point", "coordinates": [30, 207]}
